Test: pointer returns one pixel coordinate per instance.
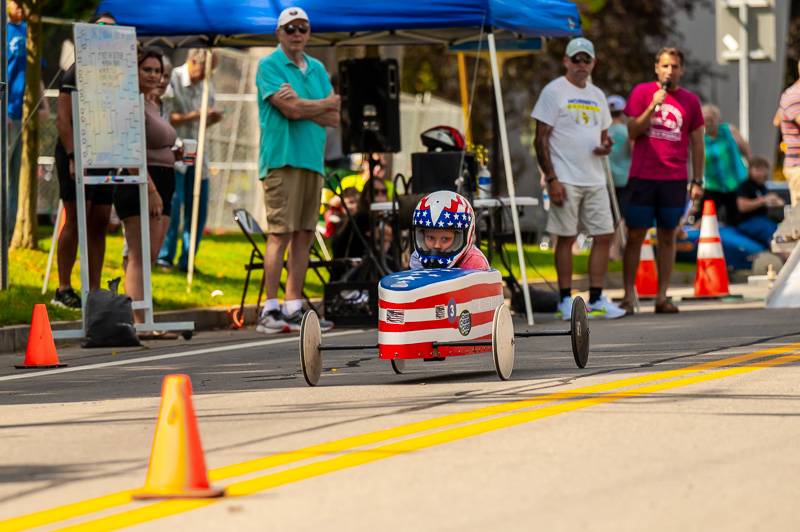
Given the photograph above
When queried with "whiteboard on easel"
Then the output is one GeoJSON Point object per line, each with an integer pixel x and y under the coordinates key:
{"type": "Point", "coordinates": [110, 108]}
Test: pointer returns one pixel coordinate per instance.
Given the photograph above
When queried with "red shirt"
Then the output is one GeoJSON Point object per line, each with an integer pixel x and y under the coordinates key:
{"type": "Point", "coordinates": [662, 152]}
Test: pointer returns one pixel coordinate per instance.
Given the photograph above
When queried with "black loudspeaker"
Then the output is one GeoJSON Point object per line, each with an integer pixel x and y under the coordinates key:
{"type": "Point", "coordinates": [370, 91]}
{"type": "Point", "coordinates": [440, 170]}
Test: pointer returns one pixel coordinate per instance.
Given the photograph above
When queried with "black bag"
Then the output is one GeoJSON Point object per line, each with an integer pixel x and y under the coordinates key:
{"type": "Point", "coordinates": [110, 320]}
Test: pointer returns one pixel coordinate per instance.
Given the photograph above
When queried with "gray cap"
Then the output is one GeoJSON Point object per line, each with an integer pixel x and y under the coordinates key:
{"type": "Point", "coordinates": [578, 45]}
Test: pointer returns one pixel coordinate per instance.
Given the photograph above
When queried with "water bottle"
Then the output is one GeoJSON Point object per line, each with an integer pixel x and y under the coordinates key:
{"type": "Point", "coordinates": [545, 199]}
{"type": "Point", "coordinates": [484, 183]}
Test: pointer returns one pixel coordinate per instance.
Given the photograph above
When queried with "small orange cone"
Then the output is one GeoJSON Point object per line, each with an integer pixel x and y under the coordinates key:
{"type": "Point", "coordinates": [712, 273]}
{"type": "Point", "coordinates": [177, 465]}
{"type": "Point", "coordinates": [646, 274]}
{"type": "Point", "coordinates": [41, 349]}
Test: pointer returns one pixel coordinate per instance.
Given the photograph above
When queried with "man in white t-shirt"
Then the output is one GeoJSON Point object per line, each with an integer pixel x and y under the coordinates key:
{"type": "Point", "coordinates": [572, 120]}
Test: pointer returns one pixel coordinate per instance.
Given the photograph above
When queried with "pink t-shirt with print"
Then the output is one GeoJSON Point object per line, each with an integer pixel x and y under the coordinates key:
{"type": "Point", "coordinates": [662, 152]}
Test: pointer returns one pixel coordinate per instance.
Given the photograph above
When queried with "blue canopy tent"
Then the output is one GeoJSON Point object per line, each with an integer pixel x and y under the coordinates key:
{"type": "Point", "coordinates": [357, 23]}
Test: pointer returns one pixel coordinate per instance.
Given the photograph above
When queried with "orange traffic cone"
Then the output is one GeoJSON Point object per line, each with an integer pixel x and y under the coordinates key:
{"type": "Point", "coordinates": [177, 465]}
{"type": "Point", "coordinates": [646, 274]}
{"type": "Point", "coordinates": [712, 273]}
{"type": "Point", "coordinates": [41, 349]}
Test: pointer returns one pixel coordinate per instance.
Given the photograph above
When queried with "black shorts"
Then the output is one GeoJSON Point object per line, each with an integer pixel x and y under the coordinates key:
{"type": "Point", "coordinates": [658, 202]}
{"type": "Point", "coordinates": [126, 197]}
{"type": "Point", "coordinates": [97, 194]}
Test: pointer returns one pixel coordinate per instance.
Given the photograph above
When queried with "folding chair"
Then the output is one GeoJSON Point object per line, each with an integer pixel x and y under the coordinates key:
{"type": "Point", "coordinates": [258, 238]}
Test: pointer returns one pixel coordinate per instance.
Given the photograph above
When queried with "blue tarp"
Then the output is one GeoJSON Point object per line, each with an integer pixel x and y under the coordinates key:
{"type": "Point", "coordinates": [222, 19]}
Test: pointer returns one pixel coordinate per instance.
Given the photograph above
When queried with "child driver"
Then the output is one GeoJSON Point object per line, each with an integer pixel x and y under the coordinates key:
{"type": "Point", "coordinates": [444, 233]}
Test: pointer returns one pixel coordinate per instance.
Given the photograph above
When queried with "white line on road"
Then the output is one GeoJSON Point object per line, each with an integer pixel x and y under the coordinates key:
{"type": "Point", "coordinates": [205, 351]}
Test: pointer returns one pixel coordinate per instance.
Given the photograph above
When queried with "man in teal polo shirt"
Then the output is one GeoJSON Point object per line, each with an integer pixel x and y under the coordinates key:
{"type": "Point", "coordinates": [295, 103]}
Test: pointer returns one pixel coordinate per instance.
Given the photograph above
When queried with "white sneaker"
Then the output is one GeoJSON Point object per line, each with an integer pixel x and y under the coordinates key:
{"type": "Point", "coordinates": [604, 308]}
{"type": "Point", "coordinates": [565, 308]}
{"type": "Point", "coordinates": [272, 322]}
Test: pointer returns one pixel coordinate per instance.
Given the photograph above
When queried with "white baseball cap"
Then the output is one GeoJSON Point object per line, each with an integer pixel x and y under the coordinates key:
{"type": "Point", "coordinates": [291, 13]}
{"type": "Point", "coordinates": [578, 45]}
{"type": "Point", "coordinates": [616, 103]}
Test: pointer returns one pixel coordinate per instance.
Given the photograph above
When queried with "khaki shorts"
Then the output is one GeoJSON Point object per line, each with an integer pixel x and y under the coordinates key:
{"type": "Point", "coordinates": [291, 198]}
{"type": "Point", "coordinates": [792, 174]}
{"type": "Point", "coordinates": [588, 208]}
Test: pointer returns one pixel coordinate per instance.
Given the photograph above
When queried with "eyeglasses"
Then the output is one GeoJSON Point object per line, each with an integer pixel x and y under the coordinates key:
{"type": "Point", "coordinates": [576, 59]}
{"type": "Point", "coordinates": [291, 28]}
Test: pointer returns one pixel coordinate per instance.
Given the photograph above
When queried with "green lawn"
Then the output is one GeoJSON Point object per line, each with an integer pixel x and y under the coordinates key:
{"type": "Point", "coordinates": [220, 263]}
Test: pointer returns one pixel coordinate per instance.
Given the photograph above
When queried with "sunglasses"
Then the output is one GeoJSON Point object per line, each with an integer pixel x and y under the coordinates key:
{"type": "Point", "coordinates": [106, 24]}
{"type": "Point", "coordinates": [291, 28]}
{"type": "Point", "coordinates": [577, 59]}
{"type": "Point", "coordinates": [380, 191]}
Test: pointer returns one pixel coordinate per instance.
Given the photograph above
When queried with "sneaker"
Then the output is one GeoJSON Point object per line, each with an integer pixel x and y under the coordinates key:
{"type": "Point", "coordinates": [164, 264]}
{"type": "Point", "coordinates": [66, 298]}
{"type": "Point", "coordinates": [296, 319]}
{"type": "Point", "coordinates": [565, 308]}
{"type": "Point", "coordinates": [605, 308]}
{"type": "Point", "coordinates": [272, 322]}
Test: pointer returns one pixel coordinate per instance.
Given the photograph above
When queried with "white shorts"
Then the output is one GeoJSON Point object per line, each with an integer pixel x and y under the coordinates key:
{"type": "Point", "coordinates": [586, 208]}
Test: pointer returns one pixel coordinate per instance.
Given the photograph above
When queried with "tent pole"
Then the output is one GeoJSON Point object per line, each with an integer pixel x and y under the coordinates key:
{"type": "Point", "coordinates": [501, 118]}
{"type": "Point", "coordinates": [198, 169]}
{"type": "Point", "coordinates": [462, 84]}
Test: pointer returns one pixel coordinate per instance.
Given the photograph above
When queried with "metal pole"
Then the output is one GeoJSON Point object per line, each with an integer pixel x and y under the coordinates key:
{"type": "Point", "coordinates": [501, 118]}
{"type": "Point", "coordinates": [744, 72]}
{"type": "Point", "coordinates": [4, 178]}
{"type": "Point", "coordinates": [198, 171]}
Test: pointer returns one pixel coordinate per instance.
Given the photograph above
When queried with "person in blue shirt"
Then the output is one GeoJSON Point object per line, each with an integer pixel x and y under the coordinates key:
{"type": "Point", "coordinates": [295, 103]}
{"type": "Point", "coordinates": [16, 32]}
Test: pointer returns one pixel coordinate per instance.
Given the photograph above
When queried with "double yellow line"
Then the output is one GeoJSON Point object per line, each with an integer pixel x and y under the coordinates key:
{"type": "Point", "coordinates": [357, 450]}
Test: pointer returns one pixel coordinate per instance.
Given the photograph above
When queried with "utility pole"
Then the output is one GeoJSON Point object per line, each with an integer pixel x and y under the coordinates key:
{"type": "Point", "coordinates": [744, 72]}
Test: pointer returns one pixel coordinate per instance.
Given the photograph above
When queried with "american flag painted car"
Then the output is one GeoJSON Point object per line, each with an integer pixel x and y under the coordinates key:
{"type": "Point", "coordinates": [418, 307]}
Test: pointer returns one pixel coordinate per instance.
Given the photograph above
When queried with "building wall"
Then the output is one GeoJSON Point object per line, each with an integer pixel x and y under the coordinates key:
{"type": "Point", "coordinates": [722, 86]}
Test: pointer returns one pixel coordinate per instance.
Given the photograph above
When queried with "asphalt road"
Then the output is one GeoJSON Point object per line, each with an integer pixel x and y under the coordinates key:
{"type": "Point", "coordinates": [687, 421]}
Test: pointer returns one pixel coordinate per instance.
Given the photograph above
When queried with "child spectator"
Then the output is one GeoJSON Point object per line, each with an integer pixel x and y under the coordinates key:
{"type": "Point", "coordinates": [336, 216]}
{"type": "Point", "coordinates": [752, 201]}
{"type": "Point", "coordinates": [444, 233]}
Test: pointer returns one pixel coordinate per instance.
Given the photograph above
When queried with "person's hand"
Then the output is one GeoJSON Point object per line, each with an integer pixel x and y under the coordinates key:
{"type": "Point", "coordinates": [773, 200]}
{"type": "Point", "coordinates": [695, 191]}
{"type": "Point", "coordinates": [558, 194]}
{"type": "Point", "coordinates": [658, 97]}
{"type": "Point", "coordinates": [155, 203]}
{"type": "Point", "coordinates": [286, 92]}
{"type": "Point", "coordinates": [604, 148]}
{"type": "Point", "coordinates": [334, 101]}
{"type": "Point", "coordinates": [214, 115]}
{"type": "Point", "coordinates": [178, 153]}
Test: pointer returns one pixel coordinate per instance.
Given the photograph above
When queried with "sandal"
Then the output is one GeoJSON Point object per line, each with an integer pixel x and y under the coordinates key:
{"type": "Point", "coordinates": [666, 307]}
{"type": "Point", "coordinates": [627, 306]}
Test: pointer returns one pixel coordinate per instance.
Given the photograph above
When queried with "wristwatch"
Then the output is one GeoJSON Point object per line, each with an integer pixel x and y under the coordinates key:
{"type": "Point", "coordinates": [698, 182]}
{"type": "Point", "coordinates": [550, 179]}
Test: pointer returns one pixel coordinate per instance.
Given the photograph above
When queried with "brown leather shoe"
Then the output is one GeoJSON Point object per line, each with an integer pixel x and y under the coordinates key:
{"type": "Point", "coordinates": [666, 307]}
{"type": "Point", "coordinates": [627, 306]}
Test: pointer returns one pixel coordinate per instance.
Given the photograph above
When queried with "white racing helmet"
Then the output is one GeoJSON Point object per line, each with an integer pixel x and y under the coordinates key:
{"type": "Point", "coordinates": [443, 210]}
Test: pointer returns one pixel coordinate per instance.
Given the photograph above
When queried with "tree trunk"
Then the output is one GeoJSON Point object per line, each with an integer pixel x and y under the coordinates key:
{"type": "Point", "coordinates": [26, 227]}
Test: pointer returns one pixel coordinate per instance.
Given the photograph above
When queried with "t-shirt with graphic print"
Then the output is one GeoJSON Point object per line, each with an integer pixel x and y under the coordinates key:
{"type": "Point", "coordinates": [578, 117]}
{"type": "Point", "coordinates": [662, 153]}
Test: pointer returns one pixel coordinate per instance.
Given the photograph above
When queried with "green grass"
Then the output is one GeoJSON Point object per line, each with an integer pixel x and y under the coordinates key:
{"type": "Point", "coordinates": [220, 266]}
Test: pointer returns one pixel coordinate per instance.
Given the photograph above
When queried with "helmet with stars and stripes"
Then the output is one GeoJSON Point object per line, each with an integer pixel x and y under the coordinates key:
{"type": "Point", "coordinates": [444, 229]}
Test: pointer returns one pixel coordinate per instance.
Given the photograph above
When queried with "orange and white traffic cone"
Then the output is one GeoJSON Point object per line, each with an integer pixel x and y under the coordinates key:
{"type": "Point", "coordinates": [646, 273]}
{"type": "Point", "coordinates": [41, 349]}
{"type": "Point", "coordinates": [177, 463]}
{"type": "Point", "coordinates": [712, 273]}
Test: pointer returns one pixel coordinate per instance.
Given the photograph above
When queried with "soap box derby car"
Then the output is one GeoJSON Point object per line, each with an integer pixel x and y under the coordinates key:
{"type": "Point", "coordinates": [432, 314]}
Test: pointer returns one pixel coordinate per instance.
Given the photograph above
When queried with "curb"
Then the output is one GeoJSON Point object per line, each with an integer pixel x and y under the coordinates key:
{"type": "Point", "coordinates": [14, 338]}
